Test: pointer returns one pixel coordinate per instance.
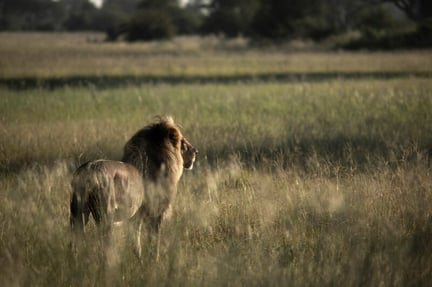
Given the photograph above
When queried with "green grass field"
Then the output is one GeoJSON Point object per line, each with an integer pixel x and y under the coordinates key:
{"type": "Point", "coordinates": [314, 167]}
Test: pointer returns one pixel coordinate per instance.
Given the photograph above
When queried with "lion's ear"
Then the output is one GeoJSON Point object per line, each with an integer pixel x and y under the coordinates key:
{"type": "Point", "coordinates": [174, 136]}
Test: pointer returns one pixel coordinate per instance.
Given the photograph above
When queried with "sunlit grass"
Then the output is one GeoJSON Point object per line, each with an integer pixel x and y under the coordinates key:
{"type": "Point", "coordinates": [247, 120]}
{"type": "Point", "coordinates": [234, 226]}
{"type": "Point", "coordinates": [62, 55]}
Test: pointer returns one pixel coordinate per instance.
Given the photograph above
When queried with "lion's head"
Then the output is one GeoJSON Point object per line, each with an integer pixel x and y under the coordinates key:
{"type": "Point", "coordinates": [189, 153]}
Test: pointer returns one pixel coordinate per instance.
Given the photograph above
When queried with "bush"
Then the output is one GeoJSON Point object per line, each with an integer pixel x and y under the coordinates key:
{"type": "Point", "coordinates": [187, 21]}
{"type": "Point", "coordinates": [227, 22]}
{"type": "Point", "coordinates": [109, 18]}
{"type": "Point", "coordinates": [150, 25]}
{"type": "Point", "coordinates": [315, 28]}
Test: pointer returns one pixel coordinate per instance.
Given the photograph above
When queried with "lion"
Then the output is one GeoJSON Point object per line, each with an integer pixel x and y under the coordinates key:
{"type": "Point", "coordinates": [139, 188]}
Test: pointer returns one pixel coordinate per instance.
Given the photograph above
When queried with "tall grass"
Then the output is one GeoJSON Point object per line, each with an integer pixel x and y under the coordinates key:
{"type": "Point", "coordinates": [254, 121]}
{"type": "Point", "coordinates": [296, 184]}
{"type": "Point", "coordinates": [235, 226]}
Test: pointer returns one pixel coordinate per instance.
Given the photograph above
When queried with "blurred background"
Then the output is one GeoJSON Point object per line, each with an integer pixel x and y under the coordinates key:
{"type": "Point", "coordinates": [383, 24]}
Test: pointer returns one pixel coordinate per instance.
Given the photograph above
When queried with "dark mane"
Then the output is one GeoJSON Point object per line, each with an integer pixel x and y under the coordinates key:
{"type": "Point", "coordinates": [154, 147]}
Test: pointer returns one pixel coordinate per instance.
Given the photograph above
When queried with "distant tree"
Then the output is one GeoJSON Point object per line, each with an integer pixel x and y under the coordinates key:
{"type": "Point", "coordinates": [375, 20]}
{"type": "Point", "coordinates": [383, 27]}
{"type": "Point", "coordinates": [419, 11]}
{"type": "Point", "coordinates": [114, 15]}
{"type": "Point", "coordinates": [122, 6]}
{"type": "Point", "coordinates": [30, 15]}
{"type": "Point", "coordinates": [187, 20]}
{"type": "Point", "coordinates": [342, 14]}
{"type": "Point", "coordinates": [150, 25]}
{"type": "Point", "coordinates": [81, 15]}
{"type": "Point", "coordinates": [155, 19]}
{"type": "Point", "coordinates": [230, 17]}
{"type": "Point", "coordinates": [414, 9]}
{"type": "Point", "coordinates": [161, 4]}
{"type": "Point", "coordinates": [285, 19]}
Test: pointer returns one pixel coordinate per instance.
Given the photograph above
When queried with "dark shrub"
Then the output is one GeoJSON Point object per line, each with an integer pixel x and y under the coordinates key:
{"type": "Point", "coordinates": [150, 25]}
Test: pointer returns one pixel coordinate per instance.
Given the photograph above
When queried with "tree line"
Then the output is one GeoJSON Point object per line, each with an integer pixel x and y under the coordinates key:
{"type": "Point", "coordinates": [383, 23]}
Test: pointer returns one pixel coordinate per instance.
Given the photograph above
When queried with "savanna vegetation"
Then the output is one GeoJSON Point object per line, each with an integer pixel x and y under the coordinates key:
{"type": "Point", "coordinates": [314, 167]}
{"type": "Point", "coordinates": [348, 24]}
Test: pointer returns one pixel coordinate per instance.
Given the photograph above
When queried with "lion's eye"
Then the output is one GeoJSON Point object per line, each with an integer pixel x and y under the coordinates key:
{"type": "Point", "coordinates": [184, 147]}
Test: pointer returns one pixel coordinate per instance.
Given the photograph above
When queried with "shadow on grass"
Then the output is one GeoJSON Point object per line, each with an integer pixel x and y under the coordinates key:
{"type": "Point", "coordinates": [104, 82]}
{"type": "Point", "coordinates": [324, 155]}
{"type": "Point", "coordinates": [310, 155]}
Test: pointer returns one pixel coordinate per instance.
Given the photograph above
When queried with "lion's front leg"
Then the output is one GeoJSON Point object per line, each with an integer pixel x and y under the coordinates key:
{"type": "Point", "coordinates": [153, 226]}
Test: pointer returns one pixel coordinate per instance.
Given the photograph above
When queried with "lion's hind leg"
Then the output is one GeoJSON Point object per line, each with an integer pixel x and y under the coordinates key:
{"type": "Point", "coordinates": [79, 213]}
{"type": "Point", "coordinates": [79, 216]}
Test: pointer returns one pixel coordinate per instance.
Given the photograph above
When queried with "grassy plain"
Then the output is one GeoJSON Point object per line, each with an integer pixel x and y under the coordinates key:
{"type": "Point", "coordinates": [305, 182]}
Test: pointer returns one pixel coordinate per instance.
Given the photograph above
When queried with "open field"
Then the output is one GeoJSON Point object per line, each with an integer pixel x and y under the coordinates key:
{"type": "Point", "coordinates": [314, 167]}
{"type": "Point", "coordinates": [42, 55]}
